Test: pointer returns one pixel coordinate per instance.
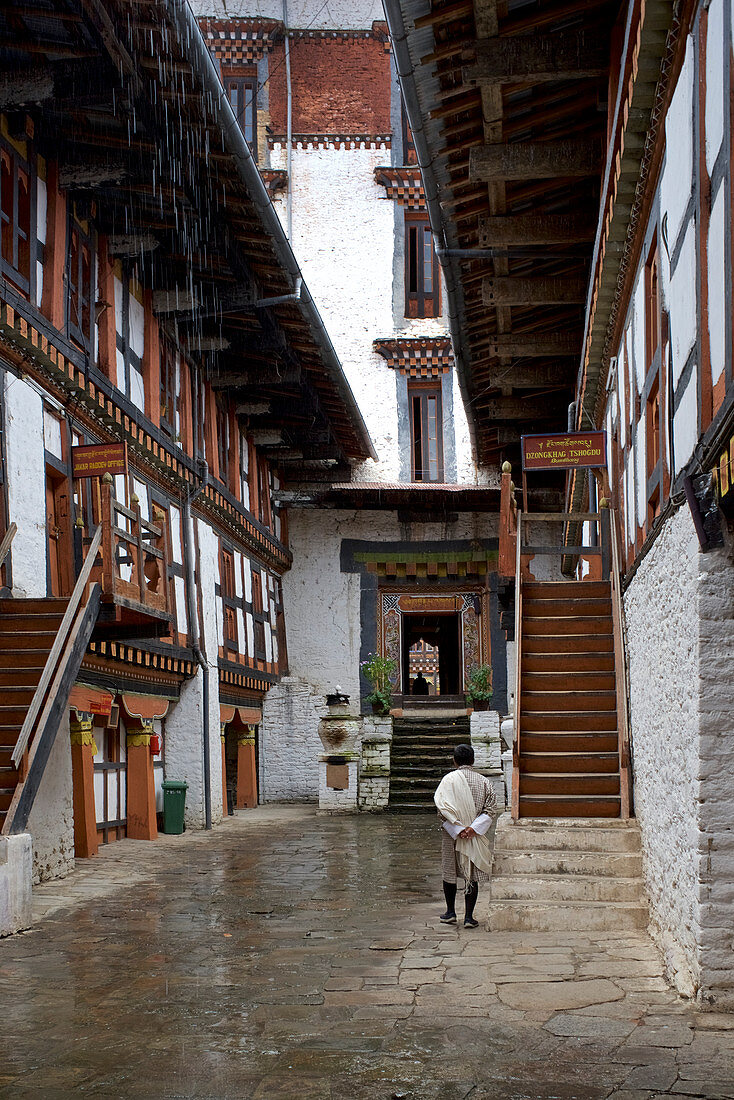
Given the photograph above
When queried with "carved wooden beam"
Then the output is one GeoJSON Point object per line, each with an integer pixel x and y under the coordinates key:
{"type": "Point", "coordinates": [536, 344]}
{"type": "Point", "coordinates": [516, 408]}
{"type": "Point", "coordinates": [536, 229]}
{"type": "Point", "coordinates": [539, 291]}
{"type": "Point", "coordinates": [529, 377]}
{"type": "Point", "coordinates": [538, 57]}
{"type": "Point", "coordinates": [534, 160]}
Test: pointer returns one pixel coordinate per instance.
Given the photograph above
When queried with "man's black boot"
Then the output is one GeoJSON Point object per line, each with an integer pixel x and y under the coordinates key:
{"type": "Point", "coordinates": [449, 892]}
{"type": "Point", "coordinates": [470, 900]}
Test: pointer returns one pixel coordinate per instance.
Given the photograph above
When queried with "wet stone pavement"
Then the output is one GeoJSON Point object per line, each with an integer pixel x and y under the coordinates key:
{"type": "Point", "coordinates": [292, 955]}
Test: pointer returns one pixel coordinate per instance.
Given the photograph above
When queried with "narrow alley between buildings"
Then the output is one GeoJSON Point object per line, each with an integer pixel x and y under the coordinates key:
{"type": "Point", "coordinates": [290, 954]}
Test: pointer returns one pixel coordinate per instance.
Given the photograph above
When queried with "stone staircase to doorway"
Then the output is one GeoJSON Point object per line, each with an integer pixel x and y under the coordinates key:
{"type": "Point", "coordinates": [420, 756]}
{"type": "Point", "coordinates": [569, 751]}
{"type": "Point", "coordinates": [572, 875]}
{"type": "Point", "coordinates": [28, 629]}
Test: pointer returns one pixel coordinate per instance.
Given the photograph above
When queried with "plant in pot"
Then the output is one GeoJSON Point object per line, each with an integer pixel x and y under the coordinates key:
{"type": "Point", "coordinates": [480, 691]}
{"type": "Point", "coordinates": [379, 671]}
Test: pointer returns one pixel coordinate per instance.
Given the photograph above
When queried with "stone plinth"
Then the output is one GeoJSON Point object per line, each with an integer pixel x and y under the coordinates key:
{"type": "Point", "coordinates": [16, 873]}
{"type": "Point", "coordinates": [339, 764]}
{"type": "Point", "coordinates": [374, 772]}
{"type": "Point", "coordinates": [485, 739]}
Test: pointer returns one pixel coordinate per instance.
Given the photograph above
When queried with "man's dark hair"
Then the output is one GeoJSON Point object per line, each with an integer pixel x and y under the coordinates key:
{"type": "Point", "coordinates": [463, 754]}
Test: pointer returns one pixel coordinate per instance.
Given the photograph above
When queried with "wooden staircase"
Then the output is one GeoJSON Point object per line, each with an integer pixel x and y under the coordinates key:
{"type": "Point", "coordinates": [28, 629]}
{"type": "Point", "coordinates": [568, 756]}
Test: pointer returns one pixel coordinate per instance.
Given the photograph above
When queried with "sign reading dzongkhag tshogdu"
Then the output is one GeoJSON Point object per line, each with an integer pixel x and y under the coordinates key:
{"type": "Point", "coordinates": [564, 451]}
{"type": "Point", "coordinates": [97, 459]}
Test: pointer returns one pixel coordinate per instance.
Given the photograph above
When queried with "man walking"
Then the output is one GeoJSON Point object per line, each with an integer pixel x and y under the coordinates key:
{"type": "Point", "coordinates": [466, 807]}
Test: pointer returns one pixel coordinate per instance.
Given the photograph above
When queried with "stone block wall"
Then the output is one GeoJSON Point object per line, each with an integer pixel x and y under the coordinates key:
{"type": "Point", "coordinates": [715, 835]}
{"type": "Point", "coordinates": [680, 640]}
{"type": "Point", "coordinates": [289, 742]}
{"type": "Point", "coordinates": [663, 664]}
{"type": "Point", "coordinates": [374, 772]}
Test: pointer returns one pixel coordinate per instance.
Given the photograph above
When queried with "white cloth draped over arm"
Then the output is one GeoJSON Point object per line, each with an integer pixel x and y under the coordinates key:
{"type": "Point", "coordinates": [455, 803]}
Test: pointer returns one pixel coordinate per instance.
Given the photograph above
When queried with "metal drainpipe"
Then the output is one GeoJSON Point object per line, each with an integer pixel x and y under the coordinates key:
{"type": "Point", "coordinates": [288, 124]}
{"type": "Point", "coordinates": [193, 615]}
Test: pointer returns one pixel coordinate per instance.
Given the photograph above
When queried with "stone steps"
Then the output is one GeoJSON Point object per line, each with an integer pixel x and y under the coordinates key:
{"type": "Point", "coordinates": [420, 756]}
{"type": "Point", "coordinates": [575, 874]}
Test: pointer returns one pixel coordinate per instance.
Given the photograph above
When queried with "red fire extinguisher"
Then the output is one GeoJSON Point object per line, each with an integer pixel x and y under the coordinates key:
{"type": "Point", "coordinates": [155, 744]}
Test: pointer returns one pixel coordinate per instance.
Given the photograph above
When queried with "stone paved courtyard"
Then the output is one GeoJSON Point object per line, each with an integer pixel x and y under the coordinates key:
{"type": "Point", "coordinates": [290, 955]}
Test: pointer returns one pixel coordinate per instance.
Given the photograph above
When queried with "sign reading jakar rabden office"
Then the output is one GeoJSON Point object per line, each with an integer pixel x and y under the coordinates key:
{"type": "Point", "coordinates": [564, 451]}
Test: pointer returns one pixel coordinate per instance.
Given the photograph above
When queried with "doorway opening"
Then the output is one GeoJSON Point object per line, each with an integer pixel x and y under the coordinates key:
{"type": "Point", "coordinates": [432, 654]}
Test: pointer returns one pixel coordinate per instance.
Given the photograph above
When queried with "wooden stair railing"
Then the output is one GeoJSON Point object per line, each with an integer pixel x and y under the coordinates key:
{"type": "Point", "coordinates": [515, 807]}
{"type": "Point", "coordinates": [620, 664]}
{"type": "Point", "coordinates": [7, 542]}
{"type": "Point", "coordinates": [50, 700]}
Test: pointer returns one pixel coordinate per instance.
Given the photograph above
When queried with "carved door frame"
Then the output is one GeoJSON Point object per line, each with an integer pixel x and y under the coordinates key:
{"type": "Point", "coordinates": [470, 601]}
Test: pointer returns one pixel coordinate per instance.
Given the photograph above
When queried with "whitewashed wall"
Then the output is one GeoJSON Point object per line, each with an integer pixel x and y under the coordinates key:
{"type": "Point", "coordinates": [51, 821]}
{"type": "Point", "coordinates": [184, 723]}
{"type": "Point", "coordinates": [26, 485]}
{"type": "Point", "coordinates": [341, 14]}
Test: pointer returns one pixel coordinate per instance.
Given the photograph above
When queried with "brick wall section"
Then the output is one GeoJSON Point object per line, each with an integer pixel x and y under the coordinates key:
{"type": "Point", "coordinates": [339, 86]}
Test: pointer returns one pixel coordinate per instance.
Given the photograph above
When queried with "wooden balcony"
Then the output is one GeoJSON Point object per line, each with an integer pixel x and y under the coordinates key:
{"type": "Point", "coordinates": [137, 599]}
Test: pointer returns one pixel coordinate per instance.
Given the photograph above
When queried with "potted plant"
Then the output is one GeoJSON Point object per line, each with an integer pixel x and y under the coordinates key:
{"type": "Point", "coordinates": [378, 671]}
{"type": "Point", "coordinates": [480, 688]}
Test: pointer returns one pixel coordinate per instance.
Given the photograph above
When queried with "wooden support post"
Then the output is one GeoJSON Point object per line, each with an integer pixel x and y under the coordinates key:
{"type": "Point", "coordinates": [246, 771]}
{"type": "Point", "coordinates": [141, 818]}
{"type": "Point", "coordinates": [83, 750]}
{"type": "Point", "coordinates": [508, 524]}
{"type": "Point", "coordinates": [223, 729]}
{"type": "Point", "coordinates": [605, 539]}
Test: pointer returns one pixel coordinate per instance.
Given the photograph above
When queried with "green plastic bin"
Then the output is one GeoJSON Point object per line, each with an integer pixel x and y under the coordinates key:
{"type": "Point", "coordinates": [174, 801]}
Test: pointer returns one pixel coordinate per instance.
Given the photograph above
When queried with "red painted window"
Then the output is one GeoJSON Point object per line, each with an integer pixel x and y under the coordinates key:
{"type": "Point", "coordinates": [421, 269]}
{"type": "Point", "coordinates": [15, 218]}
{"type": "Point", "coordinates": [426, 433]}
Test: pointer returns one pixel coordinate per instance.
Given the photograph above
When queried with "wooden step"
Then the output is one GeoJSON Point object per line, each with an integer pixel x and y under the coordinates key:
{"type": "Point", "coordinates": [51, 605]}
{"type": "Point", "coordinates": [567, 743]}
{"type": "Point", "coordinates": [567, 608]}
{"type": "Point", "coordinates": [6, 797]}
{"type": "Point", "coordinates": [572, 700]}
{"type": "Point", "coordinates": [532, 625]}
{"type": "Point", "coordinates": [569, 784]}
{"type": "Point", "coordinates": [562, 806]}
{"type": "Point", "coordinates": [12, 715]}
{"type": "Point", "coordinates": [563, 721]}
{"type": "Point", "coordinates": [29, 658]}
{"type": "Point", "coordinates": [562, 644]}
{"type": "Point", "coordinates": [17, 694]}
{"type": "Point", "coordinates": [572, 679]}
{"type": "Point", "coordinates": [19, 678]}
{"type": "Point", "coordinates": [32, 639]}
{"type": "Point", "coordinates": [566, 762]}
{"type": "Point", "coordinates": [10, 624]}
{"type": "Point", "coordinates": [565, 662]}
{"type": "Point", "coordinates": [552, 590]}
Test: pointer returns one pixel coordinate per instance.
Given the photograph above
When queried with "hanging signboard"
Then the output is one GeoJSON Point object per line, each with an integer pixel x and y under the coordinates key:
{"type": "Point", "coordinates": [98, 459]}
{"type": "Point", "coordinates": [564, 451]}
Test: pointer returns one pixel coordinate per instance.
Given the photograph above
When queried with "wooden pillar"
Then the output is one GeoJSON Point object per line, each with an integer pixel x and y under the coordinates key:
{"type": "Point", "coordinates": [83, 751]}
{"type": "Point", "coordinates": [223, 729]}
{"type": "Point", "coordinates": [246, 770]}
{"type": "Point", "coordinates": [141, 819]}
{"type": "Point", "coordinates": [508, 524]}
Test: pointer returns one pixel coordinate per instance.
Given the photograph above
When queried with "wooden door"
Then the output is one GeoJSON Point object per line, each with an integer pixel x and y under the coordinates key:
{"type": "Point", "coordinates": [58, 534]}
